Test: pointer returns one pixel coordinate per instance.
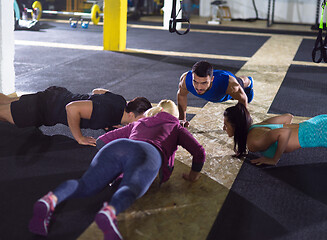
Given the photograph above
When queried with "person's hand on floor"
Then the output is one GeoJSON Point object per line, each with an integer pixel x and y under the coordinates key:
{"type": "Point", "coordinates": [192, 176]}
{"type": "Point", "coordinates": [87, 141]}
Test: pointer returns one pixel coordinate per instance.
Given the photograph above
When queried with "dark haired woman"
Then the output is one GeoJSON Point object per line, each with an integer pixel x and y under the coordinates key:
{"type": "Point", "coordinates": [102, 109]}
{"type": "Point", "coordinates": [273, 136]}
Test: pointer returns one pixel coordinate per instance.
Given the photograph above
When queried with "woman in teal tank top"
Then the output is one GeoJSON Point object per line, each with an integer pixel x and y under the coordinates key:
{"type": "Point", "coordinates": [273, 136]}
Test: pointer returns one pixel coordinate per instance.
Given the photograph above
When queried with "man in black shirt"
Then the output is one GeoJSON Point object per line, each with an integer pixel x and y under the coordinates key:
{"type": "Point", "coordinates": [100, 110]}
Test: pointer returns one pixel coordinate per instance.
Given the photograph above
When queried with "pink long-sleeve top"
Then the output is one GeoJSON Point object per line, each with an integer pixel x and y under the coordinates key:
{"type": "Point", "coordinates": [165, 133]}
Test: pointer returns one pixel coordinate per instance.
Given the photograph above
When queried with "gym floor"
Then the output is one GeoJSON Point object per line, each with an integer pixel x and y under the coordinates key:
{"type": "Point", "coordinates": [151, 67]}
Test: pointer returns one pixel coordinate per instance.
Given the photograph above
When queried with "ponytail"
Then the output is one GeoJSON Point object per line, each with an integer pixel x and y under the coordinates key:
{"type": "Point", "coordinates": [239, 117]}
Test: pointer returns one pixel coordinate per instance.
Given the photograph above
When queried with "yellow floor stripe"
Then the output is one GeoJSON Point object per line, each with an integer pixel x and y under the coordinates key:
{"type": "Point", "coordinates": [199, 30]}
{"type": "Point", "coordinates": [309, 64]}
{"type": "Point", "coordinates": [186, 54]}
{"type": "Point", "coordinates": [130, 50]}
{"type": "Point", "coordinates": [58, 45]}
{"type": "Point", "coordinates": [154, 52]}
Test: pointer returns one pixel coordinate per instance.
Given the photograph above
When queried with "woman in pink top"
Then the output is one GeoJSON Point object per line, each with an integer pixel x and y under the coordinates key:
{"type": "Point", "coordinates": [140, 151]}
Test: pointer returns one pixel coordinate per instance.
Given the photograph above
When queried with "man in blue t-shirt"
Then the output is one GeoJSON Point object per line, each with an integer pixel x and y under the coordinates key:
{"type": "Point", "coordinates": [212, 85]}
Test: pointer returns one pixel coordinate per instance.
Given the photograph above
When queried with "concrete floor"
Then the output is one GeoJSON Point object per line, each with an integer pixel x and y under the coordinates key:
{"type": "Point", "coordinates": [268, 66]}
{"type": "Point", "coordinates": [180, 210]}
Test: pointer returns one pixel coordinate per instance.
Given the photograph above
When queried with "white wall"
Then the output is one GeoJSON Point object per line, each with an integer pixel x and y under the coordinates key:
{"type": "Point", "coordinates": [7, 50]}
{"type": "Point", "coordinates": [289, 11]}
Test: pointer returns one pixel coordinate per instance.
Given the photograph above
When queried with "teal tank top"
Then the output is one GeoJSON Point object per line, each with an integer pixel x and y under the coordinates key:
{"type": "Point", "coordinates": [270, 152]}
{"type": "Point", "coordinates": [217, 92]}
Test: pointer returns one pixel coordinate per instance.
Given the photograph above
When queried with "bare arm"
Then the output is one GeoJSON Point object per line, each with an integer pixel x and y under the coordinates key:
{"type": "Point", "coordinates": [75, 111]}
{"type": "Point", "coordinates": [182, 98]}
{"type": "Point", "coordinates": [187, 141]}
{"type": "Point", "coordinates": [235, 90]}
{"type": "Point", "coordinates": [99, 91]}
{"type": "Point", "coordinates": [282, 119]}
{"type": "Point", "coordinates": [282, 136]}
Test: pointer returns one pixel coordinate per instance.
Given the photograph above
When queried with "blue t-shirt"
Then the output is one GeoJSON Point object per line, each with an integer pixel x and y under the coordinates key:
{"type": "Point", "coordinates": [217, 92]}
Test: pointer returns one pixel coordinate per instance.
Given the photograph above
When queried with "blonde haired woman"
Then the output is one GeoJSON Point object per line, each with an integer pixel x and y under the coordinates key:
{"type": "Point", "coordinates": [140, 151]}
{"type": "Point", "coordinates": [164, 106]}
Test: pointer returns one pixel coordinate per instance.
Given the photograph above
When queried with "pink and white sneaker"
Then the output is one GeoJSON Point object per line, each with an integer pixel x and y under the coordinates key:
{"type": "Point", "coordinates": [107, 222]}
{"type": "Point", "coordinates": [42, 213]}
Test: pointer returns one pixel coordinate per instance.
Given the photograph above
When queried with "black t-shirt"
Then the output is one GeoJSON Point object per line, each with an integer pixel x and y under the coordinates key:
{"type": "Point", "coordinates": [49, 108]}
{"type": "Point", "coordinates": [108, 110]}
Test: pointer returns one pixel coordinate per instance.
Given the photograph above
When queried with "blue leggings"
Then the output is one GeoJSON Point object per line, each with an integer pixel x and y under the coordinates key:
{"type": "Point", "coordinates": [139, 161]}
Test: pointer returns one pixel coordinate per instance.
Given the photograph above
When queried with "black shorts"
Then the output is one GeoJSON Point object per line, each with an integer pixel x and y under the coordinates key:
{"type": "Point", "coordinates": [43, 108]}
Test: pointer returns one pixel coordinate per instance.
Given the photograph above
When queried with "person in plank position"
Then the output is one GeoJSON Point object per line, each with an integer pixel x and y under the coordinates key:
{"type": "Point", "coordinates": [273, 136]}
{"type": "Point", "coordinates": [100, 110]}
{"type": "Point", "coordinates": [212, 85]}
{"type": "Point", "coordinates": [141, 151]}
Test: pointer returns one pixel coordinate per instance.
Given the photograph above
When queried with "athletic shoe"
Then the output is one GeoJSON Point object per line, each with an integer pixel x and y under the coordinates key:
{"type": "Point", "coordinates": [42, 213]}
{"type": "Point", "coordinates": [107, 222]}
{"type": "Point", "coordinates": [249, 91]}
